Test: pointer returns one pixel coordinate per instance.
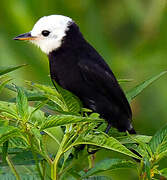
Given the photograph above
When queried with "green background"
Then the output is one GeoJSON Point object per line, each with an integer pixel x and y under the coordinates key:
{"type": "Point", "coordinates": [131, 35]}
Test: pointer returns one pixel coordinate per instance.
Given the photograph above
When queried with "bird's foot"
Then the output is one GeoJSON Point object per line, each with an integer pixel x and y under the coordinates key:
{"type": "Point", "coordinates": [108, 128]}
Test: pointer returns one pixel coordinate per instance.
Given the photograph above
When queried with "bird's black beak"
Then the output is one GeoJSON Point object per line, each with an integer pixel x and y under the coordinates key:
{"type": "Point", "coordinates": [25, 37]}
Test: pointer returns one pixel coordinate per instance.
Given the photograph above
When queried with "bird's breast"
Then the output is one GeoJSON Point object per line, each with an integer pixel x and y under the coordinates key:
{"type": "Point", "coordinates": [66, 73]}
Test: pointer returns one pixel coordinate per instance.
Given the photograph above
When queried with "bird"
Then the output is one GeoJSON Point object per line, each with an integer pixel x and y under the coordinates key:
{"type": "Point", "coordinates": [77, 67]}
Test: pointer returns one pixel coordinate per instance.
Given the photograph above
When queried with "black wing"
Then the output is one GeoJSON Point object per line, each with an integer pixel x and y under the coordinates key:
{"type": "Point", "coordinates": [99, 75]}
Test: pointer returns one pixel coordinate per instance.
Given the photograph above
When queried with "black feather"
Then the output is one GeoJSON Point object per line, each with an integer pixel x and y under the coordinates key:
{"type": "Point", "coordinates": [78, 67]}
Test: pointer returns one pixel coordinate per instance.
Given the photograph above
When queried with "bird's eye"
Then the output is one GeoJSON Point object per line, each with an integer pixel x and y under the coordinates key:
{"type": "Point", "coordinates": [45, 33]}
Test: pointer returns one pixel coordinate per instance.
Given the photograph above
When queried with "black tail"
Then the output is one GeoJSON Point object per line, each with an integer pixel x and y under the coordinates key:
{"type": "Point", "coordinates": [122, 127]}
{"type": "Point", "coordinates": [132, 131]}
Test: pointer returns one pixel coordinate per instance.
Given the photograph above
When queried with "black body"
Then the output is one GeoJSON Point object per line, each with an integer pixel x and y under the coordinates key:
{"type": "Point", "coordinates": [77, 67]}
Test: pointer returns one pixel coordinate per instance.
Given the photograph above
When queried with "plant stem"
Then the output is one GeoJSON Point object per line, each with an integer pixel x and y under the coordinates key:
{"type": "Point", "coordinates": [54, 171]}
{"type": "Point", "coordinates": [37, 163]}
{"type": "Point", "coordinates": [34, 156]}
{"type": "Point", "coordinates": [11, 165]}
{"type": "Point", "coordinates": [141, 175]}
{"type": "Point", "coordinates": [43, 165]}
{"type": "Point", "coordinates": [55, 165]}
{"type": "Point", "coordinates": [67, 168]}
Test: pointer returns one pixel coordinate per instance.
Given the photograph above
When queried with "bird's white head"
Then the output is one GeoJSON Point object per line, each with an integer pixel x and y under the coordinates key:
{"type": "Point", "coordinates": [48, 32]}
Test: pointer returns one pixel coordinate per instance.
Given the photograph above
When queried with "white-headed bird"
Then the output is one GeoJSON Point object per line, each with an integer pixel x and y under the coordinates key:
{"type": "Point", "coordinates": [77, 66]}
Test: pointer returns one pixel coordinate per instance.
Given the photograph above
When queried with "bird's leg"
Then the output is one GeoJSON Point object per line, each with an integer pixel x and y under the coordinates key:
{"type": "Point", "coordinates": [108, 128]}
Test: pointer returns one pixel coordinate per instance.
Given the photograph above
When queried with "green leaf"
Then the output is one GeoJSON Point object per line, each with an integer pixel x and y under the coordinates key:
{"type": "Point", "coordinates": [7, 176]}
{"type": "Point", "coordinates": [139, 88]}
{"type": "Point", "coordinates": [17, 142]}
{"type": "Point", "coordinates": [9, 69]}
{"type": "Point", "coordinates": [143, 148]}
{"type": "Point", "coordinates": [64, 99]}
{"type": "Point", "coordinates": [158, 143]}
{"type": "Point", "coordinates": [147, 168]}
{"type": "Point", "coordinates": [124, 80]}
{"type": "Point", "coordinates": [70, 176]}
{"type": "Point", "coordinates": [8, 132]}
{"type": "Point", "coordinates": [36, 143]}
{"type": "Point", "coordinates": [4, 151]}
{"type": "Point", "coordinates": [12, 167]}
{"type": "Point", "coordinates": [163, 172]}
{"type": "Point", "coordinates": [40, 105]}
{"type": "Point", "coordinates": [37, 117]}
{"type": "Point", "coordinates": [36, 139]}
{"type": "Point", "coordinates": [30, 175]}
{"type": "Point", "coordinates": [72, 102]}
{"type": "Point", "coordinates": [22, 104]}
{"type": "Point", "coordinates": [62, 120]}
{"type": "Point", "coordinates": [9, 108]}
{"type": "Point", "coordinates": [104, 141]}
{"type": "Point", "coordinates": [109, 165]}
{"type": "Point", "coordinates": [52, 139]}
{"type": "Point", "coordinates": [45, 89]}
{"type": "Point", "coordinates": [50, 93]}
{"type": "Point", "coordinates": [3, 83]}
{"type": "Point", "coordinates": [98, 178]}
{"type": "Point", "coordinates": [32, 95]}
{"type": "Point", "coordinates": [23, 158]}
{"type": "Point", "coordinates": [57, 101]}
{"type": "Point", "coordinates": [127, 140]}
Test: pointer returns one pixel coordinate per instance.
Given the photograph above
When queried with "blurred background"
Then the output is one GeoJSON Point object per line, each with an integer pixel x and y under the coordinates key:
{"type": "Point", "coordinates": [131, 35]}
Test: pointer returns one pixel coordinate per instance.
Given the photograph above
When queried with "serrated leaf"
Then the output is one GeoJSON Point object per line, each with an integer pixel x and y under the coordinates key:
{"type": "Point", "coordinates": [7, 176]}
{"type": "Point", "coordinates": [36, 139]}
{"type": "Point", "coordinates": [45, 89]}
{"type": "Point", "coordinates": [10, 176]}
{"type": "Point", "coordinates": [37, 116]}
{"type": "Point", "coordinates": [158, 143]}
{"type": "Point", "coordinates": [22, 104]}
{"type": "Point", "coordinates": [104, 141]}
{"type": "Point", "coordinates": [8, 132]}
{"type": "Point", "coordinates": [51, 94]}
{"type": "Point", "coordinates": [147, 168]}
{"type": "Point", "coordinates": [127, 140]}
{"type": "Point", "coordinates": [9, 108]}
{"type": "Point", "coordinates": [109, 165]}
{"type": "Point", "coordinates": [143, 148]}
{"type": "Point", "coordinates": [23, 158]}
{"type": "Point", "coordinates": [57, 101]}
{"type": "Point", "coordinates": [64, 99]}
{"type": "Point", "coordinates": [3, 83]}
{"type": "Point", "coordinates": [72, 102]}
{"type": "Point", "coordinates": [40, 105]}
{"type": "Point", "coordinates": [5, 70]}
{"type": "Point", "coordinates": [36, 142]}
{"type": "Point", "coordinates": [28, 172]}
{"type": "Point", "coordinates": [139, 88]}
{"type": "Point", "coordinates": [52, 139]}
{"type": "Point", "coordinates": [31, 95]}
{"type": "Point", "coordinates": [62, 120]}
{"type": "Point", "coordinates": [163, 172]}
{"type": "Point", "coordinates": [4, 151]}
{"type": "Point", "coordinates": [12, 167]}
{"type": "Point", "coordinates": [18, 142]}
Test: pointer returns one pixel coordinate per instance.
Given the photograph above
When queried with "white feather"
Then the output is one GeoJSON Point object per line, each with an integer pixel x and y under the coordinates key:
{"type": "Point", "coordinates": [57, 25]}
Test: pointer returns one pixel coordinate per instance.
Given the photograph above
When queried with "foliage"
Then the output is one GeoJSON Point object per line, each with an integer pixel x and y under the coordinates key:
{"type": "Point", "coordinates": [48, 133]}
